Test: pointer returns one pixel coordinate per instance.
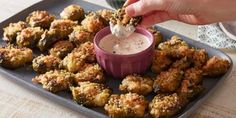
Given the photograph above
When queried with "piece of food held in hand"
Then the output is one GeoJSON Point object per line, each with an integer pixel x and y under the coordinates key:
{"type": "Point", "coordinates": [123, 25]}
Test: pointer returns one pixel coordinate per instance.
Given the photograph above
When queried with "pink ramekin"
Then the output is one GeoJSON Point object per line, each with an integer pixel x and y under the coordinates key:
{"type": "Point", "coordinates": [119, 66]}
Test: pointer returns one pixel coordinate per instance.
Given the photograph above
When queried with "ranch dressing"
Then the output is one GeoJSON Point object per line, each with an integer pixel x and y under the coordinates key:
{"type": "Point", "coordinates": [132, 44]}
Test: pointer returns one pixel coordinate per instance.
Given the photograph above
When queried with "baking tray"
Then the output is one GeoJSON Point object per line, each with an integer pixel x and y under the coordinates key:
{"type": "Point", "coordinates": [23, 76]}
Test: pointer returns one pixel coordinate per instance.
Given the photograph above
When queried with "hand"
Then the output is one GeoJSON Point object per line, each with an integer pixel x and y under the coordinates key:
{"type": "Point", "coordinates": [188, 11]}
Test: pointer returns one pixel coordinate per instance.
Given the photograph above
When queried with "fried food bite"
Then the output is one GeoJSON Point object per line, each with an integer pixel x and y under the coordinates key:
{"type": "Point", "coordinates": [10, 32]}
{"type": "Point", "coordinates": [47, 39]}
{"type": "Point", "coordinates": [181, 52]}
{"type": "Point", "coordinates": [73, 12]}
{"type": "Point", "coordinates": [29, 37]}
{"type": "Point", "coordinates": [75, 60]}
{"type": "Point", "coordinates": [40, 19]}
{"type": "Point", "coordinates": [136, 84]}
{"type": "Point", "coordinates": [121, 18]}
{"type": "Point", "coordinates": [87, 49]}
{"type": "Point", "coordinates": [129, 105]}
{"type": "Point", "coordinates": [61, 48]}
{"type": "Point", "coordinates": [91, 73]}
{"type": "Point", "coordinates": [156, 35]}
{"type": "Point", "coordinates": [194, 75]}
{"type": "Point", "coordinates": [168, 81]}
{"type": "Point", "coordinates": [199, 58]}
{"type": "Point", "coordinates": [105, 14]}
{"type": "Point", "coordinates": [160, 61]}
{"type": "Point", "coordinates": [215, 67]}
{"type": "Point", "coordinates": [164, 105]}
{"type": "Point", "coordinates": [63, 27]}
{"type": "Point", "coordinates": [80, 35]}
{"type": "Point", "coordinates": [55, 80]}
{"type": "Point", "coordinates": [189, 90]}
{"type": "Point", "coordinates": [42, 63]}
{"type": "Point", "coordinates": [91, 94]}
{"type": "Point", "coordinates": [182, 63]}
{"type": "Point", "coordinates": [15, 57]}
{"type": "Point", "coordinates": [174, 43]}
{"type": "Point", "coordinates": [93, 22]}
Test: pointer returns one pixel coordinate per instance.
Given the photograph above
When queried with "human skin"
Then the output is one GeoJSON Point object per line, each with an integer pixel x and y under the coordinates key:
{"type": "Point", "coordinates": [187, 11]}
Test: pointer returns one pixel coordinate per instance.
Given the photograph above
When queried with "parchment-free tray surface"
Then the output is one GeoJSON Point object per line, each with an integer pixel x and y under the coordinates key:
{"type": "Point", "coordinates": [24, 75]}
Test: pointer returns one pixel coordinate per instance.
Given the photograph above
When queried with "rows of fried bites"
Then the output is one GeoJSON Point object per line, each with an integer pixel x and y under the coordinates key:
{"type": "Point", "coordinates": [180, 69]}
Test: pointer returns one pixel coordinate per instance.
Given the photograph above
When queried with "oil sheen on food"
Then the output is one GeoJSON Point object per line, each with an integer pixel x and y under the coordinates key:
{"type": "Point", "coordinates": [132, 44]}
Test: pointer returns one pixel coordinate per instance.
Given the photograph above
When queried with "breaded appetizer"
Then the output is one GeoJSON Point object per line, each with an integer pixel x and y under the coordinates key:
{"type": "Point", "coordinates": [194, 75]}
{"type": "Point", "coordinates": [168, 81]}
{"type": "Point", "coordinates": [91, 94]}
{"type": "Point", "coordinates": [87, 49]}
{"type": "Point", "coordinates": [174, 43]}
{"type": "Point", "coordinates": [105, 14]}
{"type": "Point", "coordinates": [189, 90]}
{"type": "Point", "coordinates": [129, 105]}
{"type": "Point", "coordinates": [164, 105]}
{"type": "Point", "coordinates": [73, 12]}
{"type": "Point", "coordinates": [181, 52]}
{"type": "Point", "coordinates": [63, 27]}
{"type": "Point", "coordinates": [10, 32]}
{"type": "Point", "coordinates": [29, 37]}
{"type": "Point", "coordinates": [55, 80]}
{"type": "Point", "coordinates": [182, 63]}
{"type": "Point", "coordinates": [15, 57]}
{"type": "Point", "coordinates": [93, 22]}
{"type": "Point", "coordinates": [73, 62]}
{"type": "Point", "coordinates": [156, 35]}
{"type": "Point", "coordinates": [42, 63]}
{"type": "Point", "coordinates": [61, 48]}
{"type": "Point", "coordinates": [80, 35]}
{"type": "Point", "coordinates": [121, 18]}
{"type": "Point", "coordinates": [160, 61]}
{"type": "Point", "coordinates": [199, 58]}
{"type": "Point", "coordinates": [47, 39]}
{"type": "Point", "coordinates": [215, 67]}
{"type": "Point", "coordinates": [91, 73]}
{"type": "Point", "coordinates": [40, 19]}
{"type": "Point", "coordinates": [136, 84]}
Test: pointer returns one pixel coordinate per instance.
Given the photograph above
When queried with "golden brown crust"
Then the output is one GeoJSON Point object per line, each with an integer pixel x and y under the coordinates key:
{"type": "Point", "coordinates": [164, 105]}
{"type": "Point", "coordinates": [80, 35]}
{"type": "Point", "coordinates": [215, 67]}
{"type": "Point", "coordinates": [87, 49]}
{"type": "Point", "coordinates": [105, 14]}
{"type": "Point", "coordinates": [93, 22]}
{"type": "Point", "coordinates": [42, 63]}
{"type": "Point", "coordinates": [182, 63]}
{"type": "Point", "coordinates": [14, 57]}
{"type": "Point", "coordinates": [10, 32]}
{"type": "Point", "coordinates": [91, 94]}
{"type": "Point", "coordinates": [91, 73]}
{"type": "Point", "coordinates": [55, 80]}
{"type": "Point", "coordinates": [61, 49]}
{"type": "Point", "coordinates": [160, 61]}
{"type": "Point", "coordinates": [29, 37]}
{"type": "Point", "coordinates": [120, 17]}
{"type": "Point", "coordinates": [63, 27]}
{"type": "Point", "coordinates": [168, 81]}
{"type": "Point", "coordinates": [194, 75]}
{"type": "Point", "coordinates": [129, 105]}
{"type": "Point", "coordinates": [136, 84]}
{"type": "Point", "coordinates": [47, 39]}
{"type": "Point", "coordinates": [40, 19]}
{"type": "Point", "coordinates": [199, 58]}
{"type": "Point", "coordinates": [73, 12]}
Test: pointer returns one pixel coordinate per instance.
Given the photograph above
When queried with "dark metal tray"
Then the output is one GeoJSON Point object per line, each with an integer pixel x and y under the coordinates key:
{"type": "Point", "coordinates": [23, 76]}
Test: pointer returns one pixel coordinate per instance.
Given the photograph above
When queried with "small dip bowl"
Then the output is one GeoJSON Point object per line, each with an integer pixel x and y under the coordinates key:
{"type": "Point", "coordinates": [119, 66]}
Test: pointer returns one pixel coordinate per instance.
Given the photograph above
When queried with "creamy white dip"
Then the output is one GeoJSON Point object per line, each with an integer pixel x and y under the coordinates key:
{"type": "Point", "coordinates": [121, 31]}
{"type": "Point", "coordinates": [132, 44]}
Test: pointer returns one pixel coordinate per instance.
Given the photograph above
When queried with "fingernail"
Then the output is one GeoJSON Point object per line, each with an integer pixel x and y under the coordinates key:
{"type": "Point", "coordinates": [130, 10]}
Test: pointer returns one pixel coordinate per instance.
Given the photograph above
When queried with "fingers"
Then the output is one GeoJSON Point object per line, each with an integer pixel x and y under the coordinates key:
{"type": "Point", "coordinates": [142, 7]}
{"type": "Point", "coordinates": [154, 18]}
